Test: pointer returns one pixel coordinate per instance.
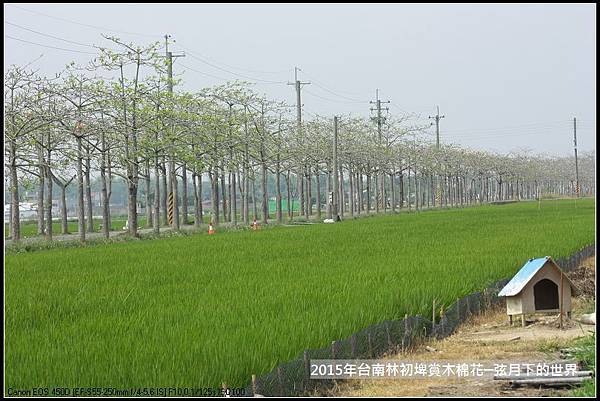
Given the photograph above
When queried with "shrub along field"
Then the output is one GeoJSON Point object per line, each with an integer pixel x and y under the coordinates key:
{"type": "Point", "coordinates": [201, 310]}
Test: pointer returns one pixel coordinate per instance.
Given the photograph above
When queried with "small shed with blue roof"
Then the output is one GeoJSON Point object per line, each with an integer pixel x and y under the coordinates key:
{"type": "Point", "coordinates": [539, 287]}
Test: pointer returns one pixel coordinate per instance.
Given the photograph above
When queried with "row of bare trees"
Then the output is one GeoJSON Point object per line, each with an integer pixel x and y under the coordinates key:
{"type": "Point", "coordinates": [78, 126]}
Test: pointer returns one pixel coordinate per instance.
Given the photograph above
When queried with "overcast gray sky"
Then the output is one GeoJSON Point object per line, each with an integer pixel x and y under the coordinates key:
{"type": "Point", "coordinates": [505, 76]}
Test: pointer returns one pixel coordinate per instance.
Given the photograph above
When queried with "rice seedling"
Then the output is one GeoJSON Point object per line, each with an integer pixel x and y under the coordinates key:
{"type": "Point", "coordinates": [200, 310]}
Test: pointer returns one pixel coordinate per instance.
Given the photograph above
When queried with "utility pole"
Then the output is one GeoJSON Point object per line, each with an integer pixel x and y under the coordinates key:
{"type": "Point", "coordinates": [379, 179]}
{"type": "Point", "coordinates": [173, 207]}
{"type": "Point", "coordinates": [300, 177]}
{"type": "Point", "coordinates": [437, 118]}
{"type": "Point", "coordinates": [336, 215]}
{"type": "Point", "coordinates": [577, 189]}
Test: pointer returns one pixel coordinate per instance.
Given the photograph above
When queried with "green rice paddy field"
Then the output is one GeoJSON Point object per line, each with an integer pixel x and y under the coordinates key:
{"type": "Point", "coordinates": [200, 310]}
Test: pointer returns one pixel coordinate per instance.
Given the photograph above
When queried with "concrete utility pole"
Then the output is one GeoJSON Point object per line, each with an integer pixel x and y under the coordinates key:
{"type": "Point", "coordinates": [379, 181]}
{"type": "Point", "coordinates": [300, 180]}
{"type": "Point", "coordinates": [172, 186]}
{"type": "Point", "coordinates": [577, 189]}
{"type": "Point", "coordinates": [336, 215]}
{"type": "Point", "coordinates": [437, 118]}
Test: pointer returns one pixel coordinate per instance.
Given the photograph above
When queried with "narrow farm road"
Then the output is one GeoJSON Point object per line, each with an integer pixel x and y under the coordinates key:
{"type": "Point", "coordinates": [142, 231]}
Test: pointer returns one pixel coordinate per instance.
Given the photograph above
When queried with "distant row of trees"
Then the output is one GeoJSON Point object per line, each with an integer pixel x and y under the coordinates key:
{"type": "Point", "coordinates": [74, 127]}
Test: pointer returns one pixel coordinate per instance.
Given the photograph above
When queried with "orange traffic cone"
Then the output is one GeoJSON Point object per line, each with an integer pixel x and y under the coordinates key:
{"type": "Point", "coordinates": [210, 228]}
{"type": "Point", "coordinates": [254, 225]}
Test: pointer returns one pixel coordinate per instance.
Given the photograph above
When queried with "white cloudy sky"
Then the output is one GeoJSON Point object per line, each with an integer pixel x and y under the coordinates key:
{"type": "Point", "coordinates": [506, 76]}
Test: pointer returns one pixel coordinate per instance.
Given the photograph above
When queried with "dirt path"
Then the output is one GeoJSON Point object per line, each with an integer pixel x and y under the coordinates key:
{"type": "Point", "coordinates": [486, 339]}
{"type": "Point", "coordinates": [142, 231]}
{"type": "Point", "coordinates": [95, 235]}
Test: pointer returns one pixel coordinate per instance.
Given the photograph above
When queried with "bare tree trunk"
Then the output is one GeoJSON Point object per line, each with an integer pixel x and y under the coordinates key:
{"type": "Point", "coordinates": [265, 195]}
{"type": "Point", "coordinates": [63, 209]}
{"type": "Point", "coordinates": [408, 190]}
{"type": "Point", "coordinates": [156, 222]}
{"type": "Point", "coordinates": [461, 189]}
{"type": "Point", "coordinates": [359, 183]}
{"type": "Point", "coordinates": [377, 194]}
{"type": "Point", "coordinates": [176, 203]}
{"type": "Point", "coordinates": [48, 174]}
{"type": "Point", "coordinates": [368, 192]}
{"type": "Point", "coordinates": [241, 186]}
{"type": "Point", "coordinates": [88, 191]}
{"type": "Point", "coordinates": [184, 195]}
{"type": "Point", "coordinates": [289, 195]}
{"type": "Point", "coordinates": [214, 178]}
{"type": "Point", "coordinates": [318, 203]}
{"type": "Point", "coordinates": [109, 189]}
{"type": "Point", "coordinates": [278, 193]}
{"type": "Point", "coordinates": [416, 190]}
{"type": "Point", "coordinates": [15, 226]}
{"type": "Point", "coordinates": [132, 189]}
{"type": "Point", "coordinates": [300, 189]}
{"type": "Point", "coordinates": [80, 208]}
{"type": "Point", "coordinates": [40, 205]}
{"type": "Point", "coordinates": [342, 198]}
{"type": "Point", "coordinates": [233, 196]}
{"type": "Point", "coordinates": [163, 169]}
{"type": "Point", "coordinates": [384, 203]}
{"type": "Point", "coordinates": [246, 200]}
{"type": "Point", "coordinates": [196, 199]}
{"type": "Point", "coordinates": [105, 203]}
{"type": "Point", "coordinates": [200, 199]}
{"type": "Point", "coordinates": [329, 194]}
{"type": "Point", "coordinates": [393, 193]}
{"type": "Point", "coordinates": [254, 199]}
{"type": "Point", "coordinates": [401, 183]}
{"type": "Point", "coordinates": [148, 203]}
{"type": "Point", "coordinates": [229, 191]}
{"type": "Point", "coordinates": [351, 198]}
{"type": "Point", "coordinates": [308, 208]}
{"type": "Point", "coordinates": [223, 195]}
{"type": "Point", "coordinates": [132, 208]}
{"type": "Point", "coordinates": [40, 194]}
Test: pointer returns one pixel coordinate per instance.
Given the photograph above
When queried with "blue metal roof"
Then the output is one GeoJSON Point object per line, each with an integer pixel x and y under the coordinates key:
{"type": "Point", "coordinates": [518, 282]}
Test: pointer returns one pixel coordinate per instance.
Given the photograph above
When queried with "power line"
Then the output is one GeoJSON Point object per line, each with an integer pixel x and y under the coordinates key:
{"type": "Point", "coordinates": [337, 94]}
{"type": "Point", "coordinates": [81, 24]}
{"type": "Point", "coordinates": [234, 67]}
{"type": "Point", "coordinates": [50, 47]}
{"type": "Point", "coordinates": [48, 35]}
{"type": "Point", "coordinates": [417, 113]}
{"type": "Point", "coordinates": [217, 77]}
{"type": "Point", "coordinates": [310, 113]}
{"type": "Point", "coordinates": [93, 46]}
{"type": "Point", "coordinates": [520, 126]}
{"type": "Point", "coordinates": [329, 89]}
{"type": "Point", "coordinates": [499, 131]}
{"type": "Point", "coordinates": [510, 131]}
{"type": "Point", "coordinates": [203, 73]}
{"type": "Point", "coordinates": [332, 100]}
{"type": "Point", "coordinates": [500, 135]}
{"type": "Point", "coordinates": [227, 71]}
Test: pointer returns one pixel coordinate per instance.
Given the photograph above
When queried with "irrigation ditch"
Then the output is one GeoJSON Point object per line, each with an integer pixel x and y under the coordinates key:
{"type": "Point", "coordinates": [292, 378]}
